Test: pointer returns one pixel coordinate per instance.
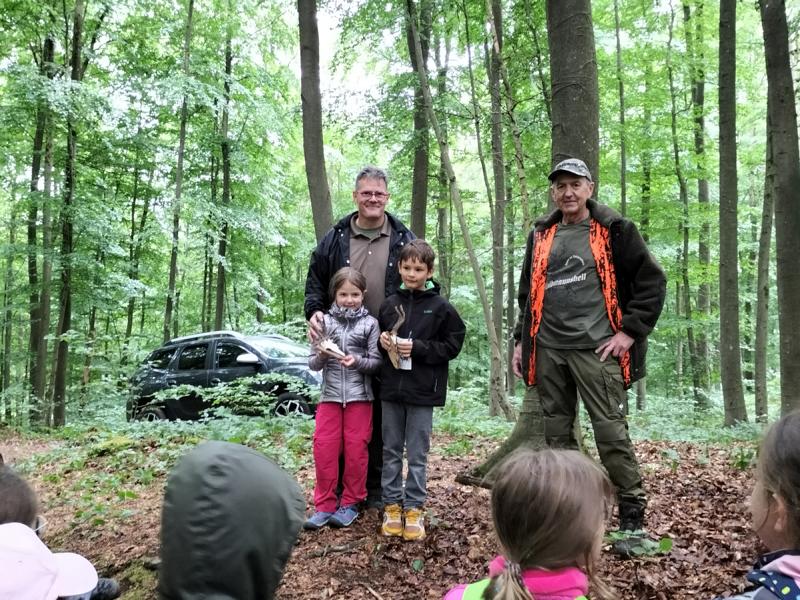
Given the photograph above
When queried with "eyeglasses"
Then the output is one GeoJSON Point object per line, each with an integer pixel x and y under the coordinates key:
{"type": "Point", "coordinates": [380, 196]}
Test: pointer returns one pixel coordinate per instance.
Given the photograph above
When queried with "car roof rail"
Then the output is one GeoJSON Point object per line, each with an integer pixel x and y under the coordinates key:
{"type": "Point", "coordinates": [205, 335]}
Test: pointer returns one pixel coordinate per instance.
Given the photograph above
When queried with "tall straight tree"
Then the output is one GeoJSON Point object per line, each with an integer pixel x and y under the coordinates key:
{"type": "Point", "coordinates": [730, 357]}
{"type": "Point", "coordinates": [574, 88]}
{"type": "Point", "coordinates": [782, 124]}
{"type": "Point", "coordinates": [176, 207]}
{"type": "Point", "coordinates": [419, 177]}
{"type": "Point", "coordinates": [313, 144]}
{"type": "Point", "coordinates": [67, 216]}
{"type": "Point", "coordinates": [226, 180]}
{"type": "Point", "coordinates": [762, 287]}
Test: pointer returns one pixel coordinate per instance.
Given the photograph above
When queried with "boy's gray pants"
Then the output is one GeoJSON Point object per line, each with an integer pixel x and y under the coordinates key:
{"type": "Point", "coordinates": [409, 426]}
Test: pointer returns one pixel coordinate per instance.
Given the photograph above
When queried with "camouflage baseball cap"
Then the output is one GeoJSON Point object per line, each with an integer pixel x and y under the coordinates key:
{"type": "Point", "coordinates": [571, 165]}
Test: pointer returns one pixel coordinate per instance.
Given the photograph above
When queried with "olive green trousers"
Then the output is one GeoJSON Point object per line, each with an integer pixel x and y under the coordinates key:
{"type": "Point", "coordinates": [562, 375]}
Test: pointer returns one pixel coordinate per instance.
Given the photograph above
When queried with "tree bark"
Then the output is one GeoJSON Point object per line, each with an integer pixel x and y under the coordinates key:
{"type": "Point", "coordinates": [37, 333]}
{"type": "Point", "coordinates": [313, 144]}
{"type": "Point", "coordinates": [65, 297]}
{"type": "Point", "coordinates": [730, 357]}
{"type": "Point", "coordinates": [444, 206]}
{"type": "Point", "coordinates": [623, 167]}
{"type": "Point", "coordinates": [782, 122]}
{"type": "Point", "coordinates": [693, 28]}
{"type": "Point", "coordinates": [176, 207]}
{"type": "Point", "coordinates": [700, 398]}
{"type": "Point", "coordinates": [226, 188]}
{"type": "Point", "coordinates": [573, 72]}
{"type": "Point", "coordinates": [762, 287]}
{"type": "Point", "coordinates": [419, 178]}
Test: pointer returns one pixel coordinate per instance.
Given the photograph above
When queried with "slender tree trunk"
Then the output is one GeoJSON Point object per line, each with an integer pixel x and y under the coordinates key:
{"type": "Point", "coordinates": [762, 288]}
{"type": "Point", "coordinates": [39, 382]}
{"type": "Point", "coordinates": [421, 143]}
{"type": "Point", "coordinates": [65, 298]}
{"type": "Point", "coordinates": [573, 69]}
{"type": "Point", "coordinates": [782, 116]}
{"type": "Point", "coordinates": [730, 357]}
{"type": "Point", "coordinates": [511, 288]}
{"type": "Point", "coordinates": [8, 315]}
{"type": "Point", "coordinates": [623, 167]}
{"type": "Point", "coordinates": [498, 217]}
{"type": "Point", "coordinates": [176, 207]}
{"type": "Point", "coordinates": [226, 189]}
{"type": "Point", "coordinates": [700, 398]}
{"type": "Point", "coordinates": [36, 339]}
{"type": "Point", "coordinates": [313, 144]}
{"type": "Point", "coordinates": [444, 206]}
{"type": "Point", "coordinates": [502, 407]}
{"type": "Point", "coordinates": [693, 26]}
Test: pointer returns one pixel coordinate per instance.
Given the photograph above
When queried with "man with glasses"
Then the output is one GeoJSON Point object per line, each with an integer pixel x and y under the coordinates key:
{"type": "Point", "coordinates": [368, 240]}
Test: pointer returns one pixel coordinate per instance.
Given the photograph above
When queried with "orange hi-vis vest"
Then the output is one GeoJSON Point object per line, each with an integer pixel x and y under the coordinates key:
{"type": "Point", "coordinates": [600, 244]}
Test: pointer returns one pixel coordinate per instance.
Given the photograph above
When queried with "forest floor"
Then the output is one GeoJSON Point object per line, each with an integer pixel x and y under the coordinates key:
{"type": "Point", "coordinates": [697, 497]}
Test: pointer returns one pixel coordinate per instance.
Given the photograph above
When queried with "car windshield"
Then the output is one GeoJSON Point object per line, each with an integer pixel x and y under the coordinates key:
{"type": "Point", "coordinates": [277, 348]}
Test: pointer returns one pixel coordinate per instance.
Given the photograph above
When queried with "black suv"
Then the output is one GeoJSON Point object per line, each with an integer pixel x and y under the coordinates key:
{"type": "Point", "coordinates": [217, 357]}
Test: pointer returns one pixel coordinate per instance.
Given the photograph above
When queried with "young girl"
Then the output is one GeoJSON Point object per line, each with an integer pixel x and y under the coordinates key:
{"type": "Point", "coordinates": [775, 510]}
{"type": "Point", "coordinates": [549, 510]}
{"type": "Point", "coordinates": [344, 414]}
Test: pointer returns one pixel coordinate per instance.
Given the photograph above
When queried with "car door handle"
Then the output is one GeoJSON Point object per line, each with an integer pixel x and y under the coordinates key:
{"type": "Point", "coordinates": [171, 382]}
{"type": "Point", "coordinates": [216, 381]}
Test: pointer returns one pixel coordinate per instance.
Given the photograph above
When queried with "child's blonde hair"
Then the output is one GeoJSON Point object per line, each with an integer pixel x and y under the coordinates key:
{"type": "Point", "coordinates": [549, 509]}
{"type": "Point", "coordinates": [779, 470]}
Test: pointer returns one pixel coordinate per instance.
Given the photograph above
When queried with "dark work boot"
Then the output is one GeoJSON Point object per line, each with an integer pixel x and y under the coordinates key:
{"type": "Point", "coordinates": [107, 589]}
{"type": "Point", "coordinates": [631, 533]}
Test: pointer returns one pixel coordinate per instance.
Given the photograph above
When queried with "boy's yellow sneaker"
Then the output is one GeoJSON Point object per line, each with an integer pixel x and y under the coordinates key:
{"type": "Point", "coordinates": [414, 528]}
{"type": "Point", "coordinates": [392, 521]}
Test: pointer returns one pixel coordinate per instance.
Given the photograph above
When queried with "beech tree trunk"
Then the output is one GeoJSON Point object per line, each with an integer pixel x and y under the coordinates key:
{"type": "Point", "coordinates": [313, 144]}
{"type": "Point", "coordinates": [574, 87]}
{"type": "Point", "coordinates": [170, 322]}
{"type": "Point", "coordinates": [65, 297]}
{"type": "Point", "coordinates": [782, 123]}
{"type": "Point", "coordinates": [762, 287]}
{"type": "Point", "coordinates": [226, 189]}
{"type": "Point", "coordinates": [419, 178]}
{"type": "Point", "coordinates": [730, 357]}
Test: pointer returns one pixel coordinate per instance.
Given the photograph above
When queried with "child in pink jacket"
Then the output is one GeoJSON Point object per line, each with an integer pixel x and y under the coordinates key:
{"type": "Point", "coordinates": [549, 510]}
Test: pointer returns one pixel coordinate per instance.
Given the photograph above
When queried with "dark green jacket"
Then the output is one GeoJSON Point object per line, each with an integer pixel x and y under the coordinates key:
{"type": "Point", "coordinates": [230, 520]}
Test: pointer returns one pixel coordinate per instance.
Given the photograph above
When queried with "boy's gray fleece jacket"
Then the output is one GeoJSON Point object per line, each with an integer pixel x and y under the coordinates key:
{"type": "Point", "coordinates": [356, 333]}
{"type": "Point", "coordinates": [230, 520]}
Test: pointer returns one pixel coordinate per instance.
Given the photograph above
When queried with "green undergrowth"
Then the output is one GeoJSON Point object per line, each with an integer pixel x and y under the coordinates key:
{"type": "Point", "coordinates": [466, 414]}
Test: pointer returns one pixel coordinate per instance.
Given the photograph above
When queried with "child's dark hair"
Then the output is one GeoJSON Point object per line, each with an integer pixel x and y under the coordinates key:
{"type": "Point", "coordinates": [19, 504]}
{"type": "Point", "coordinates": [418, 250]}
{"type": "Point", "coordinates": [549, 509]}
{"type": "Point", "coordinates": [779, 470]}
{"type": "Point", "coordinates": [347, 275]}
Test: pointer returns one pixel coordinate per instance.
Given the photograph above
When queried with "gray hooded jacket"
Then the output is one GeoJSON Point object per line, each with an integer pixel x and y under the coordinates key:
{"type": "Point", "coordinates": [356, 333]}
{"type": "Point", "coordinates": [230, 520]}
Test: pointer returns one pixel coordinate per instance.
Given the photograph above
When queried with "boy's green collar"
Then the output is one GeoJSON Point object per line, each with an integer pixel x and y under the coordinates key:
{"type": "Point", "coordinates": [428, 285]}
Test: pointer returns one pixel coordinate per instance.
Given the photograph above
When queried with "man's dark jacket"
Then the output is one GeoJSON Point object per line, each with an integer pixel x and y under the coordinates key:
{"type": "Point", "coordinates": [229, 522]}
{"type": "Point", "coordinates": [641, 283]}
{"type": "Point", "coordinates": [438, 334]}
{"type": "Point", "coordinates": [333, 252]}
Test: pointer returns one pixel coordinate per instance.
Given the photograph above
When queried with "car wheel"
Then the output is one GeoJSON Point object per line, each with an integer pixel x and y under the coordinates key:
{"type": "Point", "coordinates": [290, 403]}
{"type": "Point", "coordinates": [151, 413]}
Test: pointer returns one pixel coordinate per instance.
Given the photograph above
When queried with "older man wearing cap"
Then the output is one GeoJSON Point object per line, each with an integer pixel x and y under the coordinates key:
{"type": "Point", "coordinates": [590, 293]}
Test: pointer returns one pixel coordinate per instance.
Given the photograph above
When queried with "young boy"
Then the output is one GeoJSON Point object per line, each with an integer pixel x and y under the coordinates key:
{"type": "Point", "coordinates": [430, 336]}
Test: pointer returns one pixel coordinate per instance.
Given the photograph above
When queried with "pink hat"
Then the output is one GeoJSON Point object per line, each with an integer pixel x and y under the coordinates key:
{"type": "Point", "coordinates": [29, 571]}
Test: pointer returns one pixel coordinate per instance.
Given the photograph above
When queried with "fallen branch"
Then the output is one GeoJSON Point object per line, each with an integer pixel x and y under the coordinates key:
{"type": "Point", "coordinates": [343, 548]}
{"type": "Point", "coordinates": [374, 593]}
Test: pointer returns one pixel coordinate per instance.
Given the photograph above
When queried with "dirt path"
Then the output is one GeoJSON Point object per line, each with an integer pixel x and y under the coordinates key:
{"type": "Point", "coordinates": [697, 497]}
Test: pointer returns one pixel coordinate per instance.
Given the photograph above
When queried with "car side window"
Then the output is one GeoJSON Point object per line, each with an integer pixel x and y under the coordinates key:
{"type": "Point", "coordinates": [193, 358]}
{"type": "Point", "coordinates": [227, 353]}
{"type": "Point", "coordinates": [160, 359]}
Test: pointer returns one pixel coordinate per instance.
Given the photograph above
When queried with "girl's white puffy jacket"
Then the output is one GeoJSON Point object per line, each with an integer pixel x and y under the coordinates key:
{"type": "Point", "coordinates": [356, 333]}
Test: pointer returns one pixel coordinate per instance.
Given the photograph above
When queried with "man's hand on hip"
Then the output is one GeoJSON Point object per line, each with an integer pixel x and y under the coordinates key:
{"type": "Point", "coordinates": [617, 346]}
{"type": "Point", "coordinates": [516, 360]}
